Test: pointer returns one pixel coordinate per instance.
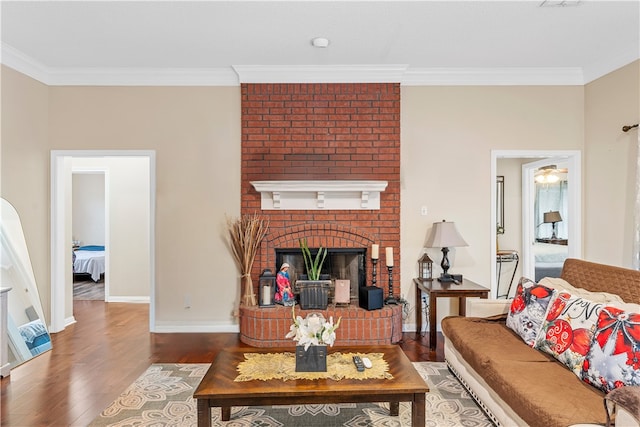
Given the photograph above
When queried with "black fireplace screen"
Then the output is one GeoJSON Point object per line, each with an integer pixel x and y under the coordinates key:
{"type": "Point", "coordinates": [346, 264]}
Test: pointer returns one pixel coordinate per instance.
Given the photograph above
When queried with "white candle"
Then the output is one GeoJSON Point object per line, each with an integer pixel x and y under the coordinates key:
{"type": "Point", "coordinates": [266, 294]}
{"type": "Point", "coordinates": [389, 257]}
{"type": "Point", "coordinates": [375, 251]}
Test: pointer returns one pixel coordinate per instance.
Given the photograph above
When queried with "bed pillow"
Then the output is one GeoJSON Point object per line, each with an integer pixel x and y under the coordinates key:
{"type": "Point", "coordinates": [568, 329]}
{"type": "Point", "coordinates": [562, 285]}
{"type": "Point", "coordinates": [613, 360]}
{"type": "Point", "coordinates": [529, 309]}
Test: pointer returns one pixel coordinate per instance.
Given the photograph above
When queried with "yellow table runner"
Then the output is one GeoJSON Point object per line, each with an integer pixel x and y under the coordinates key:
{"type": "Point", "coordinates": [282, 366]}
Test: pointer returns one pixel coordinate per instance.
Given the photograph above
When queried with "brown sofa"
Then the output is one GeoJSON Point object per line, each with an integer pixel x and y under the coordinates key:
{"type": "Point", "coordinates": [518, 385]}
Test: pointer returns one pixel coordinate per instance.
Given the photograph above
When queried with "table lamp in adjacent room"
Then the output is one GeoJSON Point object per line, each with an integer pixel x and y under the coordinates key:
{"type": "Point", "coordinates": [445, 235]}
{"type": "Point", "coordinates": [552, 217]}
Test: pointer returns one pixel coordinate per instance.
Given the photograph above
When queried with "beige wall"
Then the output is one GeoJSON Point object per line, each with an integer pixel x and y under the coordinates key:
{"type": "Point", "coordinates": [610, 157]}
{"type": "Point", "coordinates": [447, 136]}
{"type": "Point", "coordinates": [25, 167]}
{"type": "Point", "coordinates": [195, 132]}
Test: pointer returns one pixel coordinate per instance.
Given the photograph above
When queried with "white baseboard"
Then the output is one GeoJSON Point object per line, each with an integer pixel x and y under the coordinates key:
{"type": "Point", "coordinates": [5, 370]}
{"type": "Point", "coordinates": [186, 327]}
{"type": "Point", "coordinates": [132, 300]}
{"type": "Point", "coordinates": [69, 321]}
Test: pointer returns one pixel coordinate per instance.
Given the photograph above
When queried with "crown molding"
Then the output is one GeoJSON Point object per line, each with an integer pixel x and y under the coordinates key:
{"type": "Point", "coordinates": [13, 58]}
{"type": "Point", "coordinates": [320, 73]}
{"type": "Point", "coordinates": [493, 77]}
{"type": "Point", "coordinates": [236, 74]}
{"type": "Point", "coordinates": [618, 60]}
{"type": "Point", "coordinates": [143, 77]}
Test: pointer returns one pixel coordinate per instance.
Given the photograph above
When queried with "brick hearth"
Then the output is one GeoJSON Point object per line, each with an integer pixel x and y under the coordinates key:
{"type": "Point", "coordinates": [267, 327]}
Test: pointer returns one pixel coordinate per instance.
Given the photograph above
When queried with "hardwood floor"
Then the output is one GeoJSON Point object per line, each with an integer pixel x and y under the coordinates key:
{"type": "Point", "coordinates": [94, 360]}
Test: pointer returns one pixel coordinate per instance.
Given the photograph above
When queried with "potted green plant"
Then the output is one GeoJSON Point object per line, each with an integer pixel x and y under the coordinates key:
{"type": "Point", "coordinates": [313, 265]}
{"type": "Point", "coordinates": [314, 293]}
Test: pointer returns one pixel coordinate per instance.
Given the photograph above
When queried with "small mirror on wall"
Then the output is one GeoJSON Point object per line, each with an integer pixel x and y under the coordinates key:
{"type": "Point", "coordinates": [500, 204]}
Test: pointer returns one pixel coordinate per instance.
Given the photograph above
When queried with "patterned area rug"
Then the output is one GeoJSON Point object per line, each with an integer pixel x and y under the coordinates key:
{"type": "Point", "coordinates": [162, 396]}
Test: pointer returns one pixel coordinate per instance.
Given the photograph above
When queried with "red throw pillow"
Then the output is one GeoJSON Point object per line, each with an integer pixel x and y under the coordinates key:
{"type": "Point", "coordinates": [568, 330]}
{"type": "Point", "coordinates": [528, 309]}
{"type": "Point", "coordinates": [614, 357]}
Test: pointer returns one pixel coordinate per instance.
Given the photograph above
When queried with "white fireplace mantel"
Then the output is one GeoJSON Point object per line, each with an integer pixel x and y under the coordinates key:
{"type": "Point", "coordinates": [320, 195]}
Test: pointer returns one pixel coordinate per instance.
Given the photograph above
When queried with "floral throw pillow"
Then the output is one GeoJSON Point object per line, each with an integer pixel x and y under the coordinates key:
{"type": "Point", "coordinates": [528, 309]}
{"type": "Point", "coordinates": [568, 329]}
{"type": "Point", "coordinates": [614, 357]}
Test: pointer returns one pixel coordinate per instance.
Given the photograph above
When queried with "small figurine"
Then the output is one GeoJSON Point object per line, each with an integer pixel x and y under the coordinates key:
{"type": "Point", "coordinates": [284, 294]}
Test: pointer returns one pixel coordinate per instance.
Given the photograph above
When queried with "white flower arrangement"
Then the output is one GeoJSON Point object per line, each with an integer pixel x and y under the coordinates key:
{"type": "Point", "coordinates": [313, 330]}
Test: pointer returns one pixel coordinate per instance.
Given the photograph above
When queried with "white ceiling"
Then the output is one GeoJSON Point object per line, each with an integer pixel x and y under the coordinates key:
{"type": "Point", "coordinates": [227, 42]}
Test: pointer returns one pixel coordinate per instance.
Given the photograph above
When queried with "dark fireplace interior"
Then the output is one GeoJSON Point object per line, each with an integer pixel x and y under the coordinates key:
{"type": "Point", "coordinates": [346, 264]}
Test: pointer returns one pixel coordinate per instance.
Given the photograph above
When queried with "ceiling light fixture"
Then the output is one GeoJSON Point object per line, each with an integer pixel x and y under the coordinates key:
{"type": "Point", "coordinates": [320, 42]}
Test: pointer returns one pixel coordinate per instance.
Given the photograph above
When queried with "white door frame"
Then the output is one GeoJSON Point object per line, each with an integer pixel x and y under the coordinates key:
{"type": "Point", "coordinates": [573, 158]}
{"type": "Point", "coordinates": [61, 233]}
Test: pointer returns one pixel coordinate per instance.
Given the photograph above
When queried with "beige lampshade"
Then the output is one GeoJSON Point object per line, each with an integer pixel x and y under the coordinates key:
{"type": "Point", "coordinates": [551, 217]}
{"type": "Point", "coordinates": [445, 235]}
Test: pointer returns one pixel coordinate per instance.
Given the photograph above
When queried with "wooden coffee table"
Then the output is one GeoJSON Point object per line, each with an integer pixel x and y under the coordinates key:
{"type": "Point", "coordinates": [218, 388]}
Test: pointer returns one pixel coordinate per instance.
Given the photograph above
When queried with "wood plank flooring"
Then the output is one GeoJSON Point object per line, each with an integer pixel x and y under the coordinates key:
{"type": "Point", "coordinates": [94, 360]}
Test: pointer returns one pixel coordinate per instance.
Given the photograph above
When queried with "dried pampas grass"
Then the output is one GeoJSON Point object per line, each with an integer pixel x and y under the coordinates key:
{"type": "Point", "coordinates": [245, 235]}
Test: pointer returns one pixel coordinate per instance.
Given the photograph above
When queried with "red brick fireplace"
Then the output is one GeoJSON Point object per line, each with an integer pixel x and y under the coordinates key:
{"type": "Point", "coordinates": [324, 132]}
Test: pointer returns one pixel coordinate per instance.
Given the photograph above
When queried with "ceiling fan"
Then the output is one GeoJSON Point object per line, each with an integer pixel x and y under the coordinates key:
{"type": "Point", "coordinates": [549, 174]}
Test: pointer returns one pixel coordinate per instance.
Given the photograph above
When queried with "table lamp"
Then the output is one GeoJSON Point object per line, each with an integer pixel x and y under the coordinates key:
{"type": "Point", "coordinates": [445, 235]}
{"type": "Point", "coordinates": [552, 217]}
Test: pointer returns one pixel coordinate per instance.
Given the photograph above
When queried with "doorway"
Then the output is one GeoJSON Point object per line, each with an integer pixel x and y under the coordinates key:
{"type": "Point", "coordinates": [129, 247]}
{"type": "Point", "coordinates": [522, 219]}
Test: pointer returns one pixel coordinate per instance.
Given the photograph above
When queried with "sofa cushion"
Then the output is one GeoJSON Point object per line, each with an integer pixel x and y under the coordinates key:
{"type": "Point", "coordinates": [538, 388]}
{"type": "Point", "coordinates": [562, 285]}
{"type": "Point", "coordinates": [614, 357]}
{"type": "Point", "coordinates": [568, 329]}
{"type": "Point", "coordinates": [528, 309]}
{"type": "Point", "coordinates": [545, 395]}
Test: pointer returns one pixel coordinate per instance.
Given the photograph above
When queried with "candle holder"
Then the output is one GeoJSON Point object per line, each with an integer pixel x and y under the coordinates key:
{"type": "Point", "coordinates": [390, 298]}
{"type": "Point", "coordinates": [374, 261]}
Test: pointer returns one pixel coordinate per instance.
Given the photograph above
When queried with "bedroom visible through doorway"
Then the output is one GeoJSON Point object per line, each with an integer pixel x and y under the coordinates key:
{"type": "Point", "coordinates": [129, 200]}
{"type": "Point", "coordinates": [88, 234]}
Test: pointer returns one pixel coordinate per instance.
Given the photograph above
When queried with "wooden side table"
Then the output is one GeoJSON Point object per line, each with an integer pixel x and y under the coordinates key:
{"type": "Point", "coordinates": [436, 289]}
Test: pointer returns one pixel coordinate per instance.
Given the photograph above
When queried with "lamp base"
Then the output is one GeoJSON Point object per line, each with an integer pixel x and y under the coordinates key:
{"type": "Point", "coordinates": [450, 278]}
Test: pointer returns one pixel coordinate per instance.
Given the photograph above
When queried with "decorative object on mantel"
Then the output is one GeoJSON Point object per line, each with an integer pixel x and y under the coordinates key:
{"type": "Point", "coordinates": [245, 235]}
{"type": "Point", "coordinates": [389, 259]}
{"type": "Point", "coordinates": [445, 235]}
{"type": "Point", "coordinates": [312, 334]}
{"type": "Point", "coordinates": [320, 195]}
{"type": "Point", "coordinates": [314, 293]}
{"type": "Point", "coordinates": [375, 253]}
{"type": "Point", "coordinates": [425, 268]}
{"type": "Point", "coordinates": [266, 289]}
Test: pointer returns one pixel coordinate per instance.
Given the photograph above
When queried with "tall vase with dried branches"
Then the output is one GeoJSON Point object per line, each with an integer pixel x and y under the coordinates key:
{"type": "Point", "coordinates": [245, 235]}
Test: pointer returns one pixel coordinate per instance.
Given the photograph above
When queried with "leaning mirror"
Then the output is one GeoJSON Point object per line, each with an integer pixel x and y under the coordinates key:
{"type": "Point", "coordinates": [27, 334]}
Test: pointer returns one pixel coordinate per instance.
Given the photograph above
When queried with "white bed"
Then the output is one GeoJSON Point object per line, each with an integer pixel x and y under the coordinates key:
{"type": "Point", "coordinates": [549, 259]}
{"type": "Point", "coordinates": [89, 260]}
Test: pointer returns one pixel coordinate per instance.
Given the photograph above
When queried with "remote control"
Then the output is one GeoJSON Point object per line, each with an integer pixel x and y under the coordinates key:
{"type": "Point", "coordinates": [366, 362]}
{"type": "Point", "coordinates": [358, 362]}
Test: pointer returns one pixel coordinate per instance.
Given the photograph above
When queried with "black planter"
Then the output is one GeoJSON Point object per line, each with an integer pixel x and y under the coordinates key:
{"type": "Point", "coordinates": [314, 359]}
